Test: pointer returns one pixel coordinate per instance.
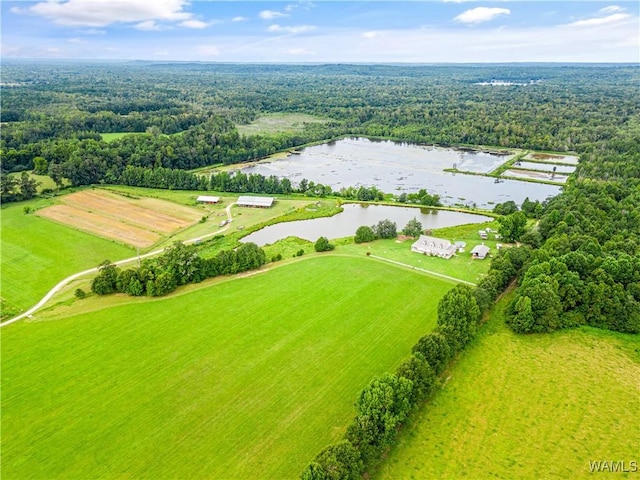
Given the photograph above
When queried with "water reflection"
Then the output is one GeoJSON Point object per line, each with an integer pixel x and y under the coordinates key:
{"type": "Point", "coordinates": [345, 224]}
{"type": "Point", "coordinates": [401, 167]}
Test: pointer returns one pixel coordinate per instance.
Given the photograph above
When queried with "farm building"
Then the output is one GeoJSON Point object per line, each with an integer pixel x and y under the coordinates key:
{"type": "Point", "coordinates": [480, 252]}
{"type": "Point", "coordinates": [435, 247]}
{"type": "Point", "coordinates": [262, 202]}
{"type": "Point", "coordinates": [207, 199]}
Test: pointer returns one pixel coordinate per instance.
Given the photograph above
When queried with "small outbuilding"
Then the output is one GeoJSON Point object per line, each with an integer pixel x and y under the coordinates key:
{"type": "Point", "coordinates": [258, 202]}
{"type": "Point", "coordinates": [207, 199]}
{"type": "Point", "coordinates": [460, 246]}
{"type": "Point", "coordinates": [435, 247]}
{"type": "Point", "coordinates": [480, 252]}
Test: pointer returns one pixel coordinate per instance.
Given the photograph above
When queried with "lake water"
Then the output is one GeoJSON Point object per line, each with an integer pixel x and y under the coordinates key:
{"type": "Point", "coordinates": [400, 167]}
{"type": "Point", "coordinates": [546, 167]}
{"type": "Point", "coordinates": [347, 222]}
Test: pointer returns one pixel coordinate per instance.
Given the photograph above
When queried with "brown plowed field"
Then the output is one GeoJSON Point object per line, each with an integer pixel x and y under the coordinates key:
{"type": "Point", "coordinates": [138, 222]}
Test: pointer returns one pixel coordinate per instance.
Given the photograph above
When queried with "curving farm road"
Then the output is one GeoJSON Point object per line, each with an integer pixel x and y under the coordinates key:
{"type": "Point", "coordinates": [70, 278]}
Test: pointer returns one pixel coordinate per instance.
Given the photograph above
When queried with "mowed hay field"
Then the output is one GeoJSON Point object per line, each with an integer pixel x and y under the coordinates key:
{"type": "Point", "coordinates": [278, 123]}
{"type": "Point", "coordinates": [139, 222]}
{"type": "Point", "coordinates": [38, 253]}
{"type": "Point", "coordinates": [528, 406]}
{"type": "Point", "coordinates": [247, 378]}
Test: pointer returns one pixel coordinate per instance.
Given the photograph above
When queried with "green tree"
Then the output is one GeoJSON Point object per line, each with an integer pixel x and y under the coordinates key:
{"type": "Point", "coordinates": [323, 245]}
{"type": "Point", "coordinates": [364, 234]}
{"type": "Point", "coordinates": [385, 229]}
{"type": "Point", "coordinates": [512, 227]}
{"type": "Point", "coordinates": [105, 282]}
{"type": "Point", "coordinates": [435, 349]}
{"type": "Point", "coordinates": [340, 461]}
{"type": "Point", "coordinates": [422, 376]}
{"type": "Point", "coordinates": [458, 316]}
{"type": "Point", "coordinates": [413, 228]}
{"type": "Point", "coordinates": [28, 186]}
{"type": "Point", "coordinates": [40, 165]}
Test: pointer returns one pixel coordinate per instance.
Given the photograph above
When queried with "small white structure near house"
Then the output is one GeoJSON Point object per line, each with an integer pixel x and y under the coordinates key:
{"type": "Point", "coordinates": [261, 202]}
{"type": "Point", "coordinates": [435, 247]}
{"type": "Point", "coordinates": [460, 246]}
{"type": "Point", "coordinates": [207, 199]}
{"type": "Point", "coordinates": [480, 252]}
{"type": "Point", "coordinates": [483, 234]}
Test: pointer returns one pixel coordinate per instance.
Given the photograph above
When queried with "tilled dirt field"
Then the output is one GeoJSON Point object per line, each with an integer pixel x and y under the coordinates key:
{"type": "Point", "coordinates": [138, 222]}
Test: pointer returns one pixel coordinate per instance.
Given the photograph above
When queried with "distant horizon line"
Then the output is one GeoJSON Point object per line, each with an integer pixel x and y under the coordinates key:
{"type": "Point", "coordinates": [301, 63]}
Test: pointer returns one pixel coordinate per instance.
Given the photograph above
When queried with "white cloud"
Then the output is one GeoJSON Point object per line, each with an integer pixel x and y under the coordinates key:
{"type": "Point", "coordinates": [76, 40]}
{"type": "Point", "coordinates": [194, 24]}
{"type": "Point", "coordinates": [611, 9]}
{"type": "Point", "coordinates": [291, 29]}
{"type": "Point", "coordinates": [239, 19]}
{"type": "Point", "coordinates": [271, 14]}
{"type": "Point", "coordinates": [208, 50]}
{"type": "Point", "coordinates": [100, 13]}
{"type": "Point", "coordinates": [481, 14]}
{"type": "Point", "coordinates": [370, 34]}
{"type": "Point", "coordinates": [596, 22]}
{"type": "Point", "coordinates": [147, 25]}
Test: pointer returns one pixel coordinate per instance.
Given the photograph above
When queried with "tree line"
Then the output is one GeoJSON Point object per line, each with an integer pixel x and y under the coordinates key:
{"type": "Point", "coordinates": [178, 265]}
{"type": "Point", "coordinates": [387, 401]}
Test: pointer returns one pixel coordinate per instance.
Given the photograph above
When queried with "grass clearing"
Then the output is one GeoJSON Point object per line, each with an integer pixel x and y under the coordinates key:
{"type": "Point", "coordinates": [527, 406]}
{"type": "Point", "coordinates": [248, 378]}
{"type": "Point", "coordinates": [110, 137]}
{"type": "Point", "coordinates": [38, 253]}
{"type": "Point", "coordinates": [44, 181]}
{"type": "Point", "coordinates": [278, 123]}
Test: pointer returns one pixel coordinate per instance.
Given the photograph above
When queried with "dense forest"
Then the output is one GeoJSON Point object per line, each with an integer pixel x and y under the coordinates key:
{"type": "Point", "coordinates": [584, 268]}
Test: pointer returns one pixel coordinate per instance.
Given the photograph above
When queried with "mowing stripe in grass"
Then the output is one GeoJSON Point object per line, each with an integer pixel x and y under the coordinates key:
{"type": "Point", "coordinates": [245, 379]}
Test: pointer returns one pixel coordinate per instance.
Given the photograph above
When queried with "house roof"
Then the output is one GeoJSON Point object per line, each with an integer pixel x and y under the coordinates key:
{"type": "Point", "coordinates": [480, 250]}
{"type": "Point", "coordinates": [433, 244]}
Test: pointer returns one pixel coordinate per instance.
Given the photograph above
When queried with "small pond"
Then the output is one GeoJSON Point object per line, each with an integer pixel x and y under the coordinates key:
{"type": "Point", "coordinates": [545, 167]}
{"type": "Point", "coordinates": [401, 167]}
{"type": "Point", "coordinates": [346, 223]}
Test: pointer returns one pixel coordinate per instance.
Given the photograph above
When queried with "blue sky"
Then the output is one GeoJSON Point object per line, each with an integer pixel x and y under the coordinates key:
{"type": "Point", "coordinates": [324, 31]}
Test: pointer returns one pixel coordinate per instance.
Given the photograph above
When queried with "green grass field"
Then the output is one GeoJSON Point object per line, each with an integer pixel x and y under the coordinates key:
{"type": "Point", "coordinates": [44, 181]}
{"type": "Point", "coordinates": [110, 137]}
{"type": "Point", "coordinates": [246, 378]}
{"type": "Point", "coordinates": [278, 123]}
{"type": "Point", "coordinates": [38, 253]}
{"type": "Point", "coordinates": [534, 406]}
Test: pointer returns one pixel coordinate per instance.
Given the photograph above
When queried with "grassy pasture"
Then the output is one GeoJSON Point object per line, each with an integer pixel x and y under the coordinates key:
{"type": "Point", "coordinates": [38, 253]}
{"type": "Point", "coordinates": [278, 123]}
{"type": "Point", "coordinates": [527, 406]}
{"type": "Point", "coordinates": [44, 181]}
{"type": "Point", "coordinates": [110, 137]}
{"type": "Point", "coordinates": [247, 378]}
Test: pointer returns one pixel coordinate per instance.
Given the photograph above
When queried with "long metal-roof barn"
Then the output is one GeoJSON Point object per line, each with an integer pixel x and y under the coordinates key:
{"type": "Point", "coordinates": [262, 202]}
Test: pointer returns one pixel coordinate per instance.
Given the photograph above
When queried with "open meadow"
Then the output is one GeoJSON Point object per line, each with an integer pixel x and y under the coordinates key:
{"type": "Point", "coordinates": [38, 253]}
{"type": "Point", "coordinates": [245, 378]}
{"type": "Point", "coordinates": [527, 406]}
{"type": "Point", "coordinates": [278, 123]}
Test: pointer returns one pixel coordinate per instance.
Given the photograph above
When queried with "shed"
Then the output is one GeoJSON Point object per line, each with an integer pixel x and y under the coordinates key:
{"type": "Point", "coordinates": [460, 246]}
{"type": "Point", "coordinates": [435, 247]}
{"type": "Point", "coordinates": [207, 199]}
{"type": "Point", "coordinates": [261, 202]}
{"type": "Point", "coordinates": [480, 252]}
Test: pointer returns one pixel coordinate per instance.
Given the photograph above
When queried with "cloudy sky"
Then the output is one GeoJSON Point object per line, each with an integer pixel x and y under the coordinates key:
{"type": "Point", "coordinates": [324, 30]}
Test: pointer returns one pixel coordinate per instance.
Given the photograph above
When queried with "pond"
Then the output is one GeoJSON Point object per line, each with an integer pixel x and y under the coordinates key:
{"type": "Point", "coordinates": [345, 224]}
{"type": "Point", "coordinates": [400, 167]}
{"type": "Point", "coordinates": [546, 167]}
